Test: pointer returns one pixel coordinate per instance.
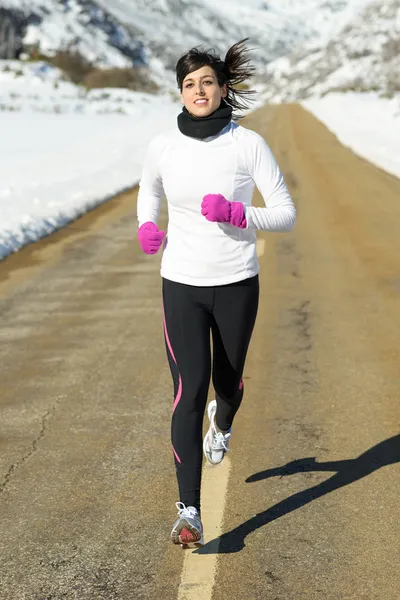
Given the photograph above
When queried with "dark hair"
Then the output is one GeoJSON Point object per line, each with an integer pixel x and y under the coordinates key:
{"type": "Point", "coordinates": [232, 71]}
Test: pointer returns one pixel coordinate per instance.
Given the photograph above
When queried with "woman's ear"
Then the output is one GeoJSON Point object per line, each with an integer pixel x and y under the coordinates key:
{"type": "Point", "coordinates": [224, 91]}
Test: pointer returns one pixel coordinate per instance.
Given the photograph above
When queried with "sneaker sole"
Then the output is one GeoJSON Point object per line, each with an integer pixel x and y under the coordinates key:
{"type": "Point", "coordinates": [188, 531]}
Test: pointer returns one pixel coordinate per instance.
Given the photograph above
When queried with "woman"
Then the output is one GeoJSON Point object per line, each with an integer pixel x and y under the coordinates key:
{"type": "Point", "coordinates": [207, 168]}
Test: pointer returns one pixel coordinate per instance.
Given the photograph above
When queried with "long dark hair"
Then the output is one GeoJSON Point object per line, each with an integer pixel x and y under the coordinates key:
{"type": "Point", "coordinates": [232, 71]}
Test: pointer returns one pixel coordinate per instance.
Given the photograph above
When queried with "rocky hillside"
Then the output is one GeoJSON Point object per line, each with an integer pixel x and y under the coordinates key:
{"type": "Point", "coordinates": [363, 56]}
{"type": "Point", "coordinates": [300, 49]}
{"type": "Point", "coordinates": [79, 25]}
{"type": "Point", "coordinates": [116, 32]}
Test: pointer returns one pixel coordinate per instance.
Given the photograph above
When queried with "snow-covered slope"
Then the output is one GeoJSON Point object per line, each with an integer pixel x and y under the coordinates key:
{"type": "Point", "coordinates": [115, 32]}
{"type": "Point", "coordinates": [274, 28]}
{"type": "Point", "coordinates": [80, 25]}
{"type": "Point", "coordinates": [322, 45]}
{"type": "Point", "coordinates": [283, 23]}
{"type": "Point", "coordinates": [37, 87]}
{"type": "Point", "coordinates": [170, 27]}
{"type": "Point", "coordinates": [363, 56]}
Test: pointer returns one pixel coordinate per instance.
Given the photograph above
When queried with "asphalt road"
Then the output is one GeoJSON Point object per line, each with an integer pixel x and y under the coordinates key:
{"type": "Point", "coordinates": [311, 510]}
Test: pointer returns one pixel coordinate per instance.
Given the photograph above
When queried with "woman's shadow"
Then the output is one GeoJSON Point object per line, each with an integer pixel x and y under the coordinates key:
{"type": "Point", "coordinates": [346, 471]}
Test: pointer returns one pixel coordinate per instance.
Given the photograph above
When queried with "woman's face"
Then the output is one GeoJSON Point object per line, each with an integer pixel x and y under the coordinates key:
{"type": "Point", "coordinates": [201, 93]}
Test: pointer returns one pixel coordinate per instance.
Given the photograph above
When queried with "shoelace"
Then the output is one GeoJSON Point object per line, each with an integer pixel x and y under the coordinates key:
{"type": "Point", "coordinates": [220, 441]}
{"type": "Point", "coordinates": [183, 511]}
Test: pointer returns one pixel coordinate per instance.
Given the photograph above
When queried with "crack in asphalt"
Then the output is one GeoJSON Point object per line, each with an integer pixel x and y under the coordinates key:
{"type": "Point", "coordinates": [34, 446]}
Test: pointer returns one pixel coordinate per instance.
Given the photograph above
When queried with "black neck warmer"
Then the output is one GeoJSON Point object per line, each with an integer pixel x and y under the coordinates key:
{"type": "Point", "coordinates": [203, 127]}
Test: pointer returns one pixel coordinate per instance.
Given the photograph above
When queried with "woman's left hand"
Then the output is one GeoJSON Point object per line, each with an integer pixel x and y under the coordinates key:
{"type": "Point", "coordinates": [216, 208]}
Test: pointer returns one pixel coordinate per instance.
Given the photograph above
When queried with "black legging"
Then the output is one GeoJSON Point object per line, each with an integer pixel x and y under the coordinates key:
{"type": "Point", "coordinates": [190, 313]}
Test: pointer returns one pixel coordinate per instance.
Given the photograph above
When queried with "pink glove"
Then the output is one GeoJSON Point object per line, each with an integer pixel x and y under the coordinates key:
{"type": "Point", "coordinates": [218, 209]}
{"type": "Point", "coordinates": [150, 237]}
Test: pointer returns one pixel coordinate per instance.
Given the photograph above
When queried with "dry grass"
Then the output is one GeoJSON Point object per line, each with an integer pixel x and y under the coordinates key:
{"type": "Point", "coordinates": [128, 78]}
{"type": "Point", "coordinates": [79, 70]}
{"type": "Point", "coordinates": [74, 66]}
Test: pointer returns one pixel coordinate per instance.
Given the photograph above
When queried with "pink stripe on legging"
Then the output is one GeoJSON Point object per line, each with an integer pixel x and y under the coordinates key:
{"type": "Point", "coordinates": [241, 384]}
{"type": "Point", "coordinates": [179, 393]}
{"type": "Point", "coordinates": [176, 456]}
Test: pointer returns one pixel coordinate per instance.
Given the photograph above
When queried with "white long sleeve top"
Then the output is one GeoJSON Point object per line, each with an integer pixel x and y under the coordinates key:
{"type": "Point", "coordinates": [184, 169]}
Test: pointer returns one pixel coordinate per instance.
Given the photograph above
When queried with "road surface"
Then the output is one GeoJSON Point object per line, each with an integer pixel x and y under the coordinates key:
{"type": "Point", "coordinates": [305, 506]}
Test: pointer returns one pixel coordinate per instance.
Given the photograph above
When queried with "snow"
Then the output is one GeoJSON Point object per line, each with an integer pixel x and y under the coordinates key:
{"type": "Point", "coordinates": [77, 25]}
{"type": "Point", "coordinates": [361, 57]}
{"type": "Point", "coordinates": [66, 165]}
{"type": "Point", "coordinates": [62, 153]}
{"type": "Point", "coordinates": [366, 123]}
{"type": "Point", "coordinates": [312, 18]}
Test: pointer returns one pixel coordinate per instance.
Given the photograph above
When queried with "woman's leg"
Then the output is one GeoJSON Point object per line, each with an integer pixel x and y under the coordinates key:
{"type": "Point", "coordinates": [187, 322]}
{"type": "Point", "coordinates": [235, 311]}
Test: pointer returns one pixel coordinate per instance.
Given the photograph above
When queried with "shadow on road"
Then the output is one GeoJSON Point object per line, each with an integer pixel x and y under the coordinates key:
{"type": "Point", "coordinates": [346, 471]}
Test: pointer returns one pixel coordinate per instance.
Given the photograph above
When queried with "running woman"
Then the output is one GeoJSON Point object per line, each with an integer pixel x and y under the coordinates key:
{"type": "Point", "coordinates": [207, 168]}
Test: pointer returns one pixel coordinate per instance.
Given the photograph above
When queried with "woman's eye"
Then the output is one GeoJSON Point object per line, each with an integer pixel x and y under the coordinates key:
{"type": "Point", "coordinates": [206, 82]}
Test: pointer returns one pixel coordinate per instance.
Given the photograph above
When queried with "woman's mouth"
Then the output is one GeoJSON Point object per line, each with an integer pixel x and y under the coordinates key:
{"type": "Point", "coordinates": [202, 101]}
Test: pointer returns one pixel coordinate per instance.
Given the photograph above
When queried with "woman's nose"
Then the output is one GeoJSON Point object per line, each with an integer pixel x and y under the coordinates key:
{"type": "Point", "coordinates": [200, 89]}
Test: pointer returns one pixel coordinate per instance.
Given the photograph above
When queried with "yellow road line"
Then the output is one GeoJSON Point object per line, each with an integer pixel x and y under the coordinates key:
{"type": "Point", "coordinates": [260, 246]}
{"type": "Point", "coordinates": [198, 572]}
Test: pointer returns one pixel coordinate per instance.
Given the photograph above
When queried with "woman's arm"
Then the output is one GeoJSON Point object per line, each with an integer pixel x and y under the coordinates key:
{"type": "Point", "coordinates": [151, 190]}
{"type": "Point", "coordinates": [279, 213]}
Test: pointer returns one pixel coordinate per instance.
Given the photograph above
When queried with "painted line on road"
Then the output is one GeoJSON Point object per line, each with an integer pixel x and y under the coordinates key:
{"type": "Point", "coordinates": [198, 572]}
{"type": "Point", "coordinates": [260, 247]}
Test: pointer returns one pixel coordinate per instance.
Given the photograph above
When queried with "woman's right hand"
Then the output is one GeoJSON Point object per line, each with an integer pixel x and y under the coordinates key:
{"type": "Point", "coordinates": [150, 237]}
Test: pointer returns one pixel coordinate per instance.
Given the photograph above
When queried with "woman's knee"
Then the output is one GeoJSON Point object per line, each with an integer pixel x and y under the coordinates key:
{"type": "Point", "coordinates": [228, 389]}
{"type": "Point", "coordinates": [192, 396]}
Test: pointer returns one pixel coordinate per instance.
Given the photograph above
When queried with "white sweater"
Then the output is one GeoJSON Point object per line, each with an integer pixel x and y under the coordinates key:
{"type": "Point", "coordinates": [184, 169]}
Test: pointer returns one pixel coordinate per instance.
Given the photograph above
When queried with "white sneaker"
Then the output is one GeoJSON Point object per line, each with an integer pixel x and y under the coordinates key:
{"type": "Point", "coordinates": [188, 529]}
{"type": "Point", "coordinates": [215, 443]}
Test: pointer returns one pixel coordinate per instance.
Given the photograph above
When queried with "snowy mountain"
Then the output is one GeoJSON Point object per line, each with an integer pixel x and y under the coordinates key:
{"type": "Point", "coordinates": [287, 22]}
{"type": "Point", "coordinates": [116, 32]}
{"type": "Point", "coordinates": [364, 56]}
{"type": "Point", "coordinates": [170, 27]}
{"type": "Point", "coordinates": [82, 25]}
{"type": "Point", "coordinates": [299, 49]}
